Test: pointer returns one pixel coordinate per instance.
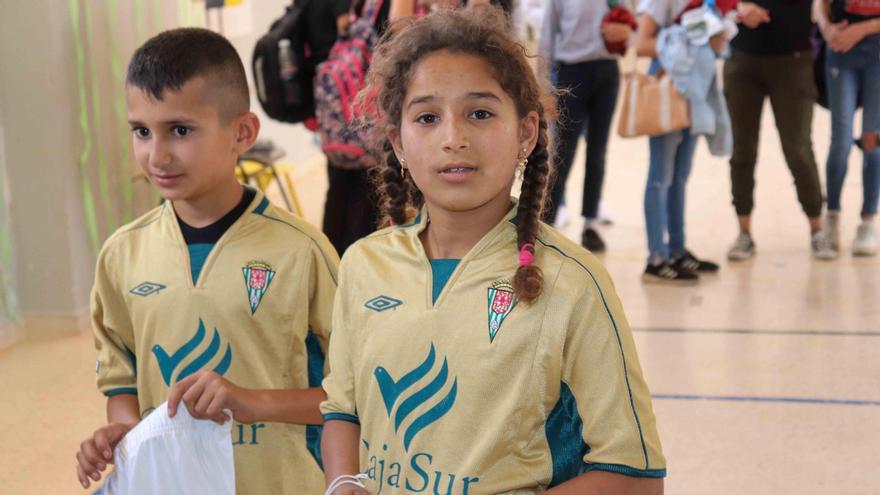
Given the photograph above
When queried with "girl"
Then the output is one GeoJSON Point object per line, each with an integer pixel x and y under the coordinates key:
{"type": "Point", "coordinates": [852, 72]}
{"type": "Point", "coordinates": [475, 349]}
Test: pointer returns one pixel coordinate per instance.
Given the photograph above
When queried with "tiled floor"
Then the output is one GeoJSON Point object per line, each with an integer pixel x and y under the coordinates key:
{"type": "Point", "coordinates": [766, 377]}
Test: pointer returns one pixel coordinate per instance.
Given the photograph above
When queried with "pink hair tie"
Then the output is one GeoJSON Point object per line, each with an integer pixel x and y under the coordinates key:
{"type": "Point", "coordinates": [527, 254]}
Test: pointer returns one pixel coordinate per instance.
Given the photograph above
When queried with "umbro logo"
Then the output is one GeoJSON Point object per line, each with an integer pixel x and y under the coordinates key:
{"type": "Point", "coordinates": [382, 303]}
{"type": "Point", "coordinates": [146, 289]}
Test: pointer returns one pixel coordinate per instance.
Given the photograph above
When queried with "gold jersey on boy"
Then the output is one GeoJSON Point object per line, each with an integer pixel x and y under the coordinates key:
{"type": "Point", "coordinates": [474, 393]}
{"type": "Point", "coordinates": [258, 314]}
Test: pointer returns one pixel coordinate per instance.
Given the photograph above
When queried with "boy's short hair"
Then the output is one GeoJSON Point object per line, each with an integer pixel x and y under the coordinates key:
{"type": "Point", "coordinates": [172, 58]}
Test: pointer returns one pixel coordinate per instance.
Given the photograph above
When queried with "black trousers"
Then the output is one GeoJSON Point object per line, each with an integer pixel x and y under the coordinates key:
{"type": "Point", "coordinates": [350, 209]}
{"type": "Point", "coordinates": [587, 109]}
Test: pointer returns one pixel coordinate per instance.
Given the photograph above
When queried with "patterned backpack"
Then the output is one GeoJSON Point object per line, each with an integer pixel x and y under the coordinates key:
{"type": "Point", "coordinates": [337, 83]}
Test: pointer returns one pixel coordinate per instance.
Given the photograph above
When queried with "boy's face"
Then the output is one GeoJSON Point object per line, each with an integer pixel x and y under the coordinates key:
{"type": "Point", "coordinates": [181, 144]}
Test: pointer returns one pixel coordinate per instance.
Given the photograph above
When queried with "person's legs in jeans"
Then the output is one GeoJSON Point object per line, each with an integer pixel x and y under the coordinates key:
{"type": "Point", "coordinates": [601, 111]}
{"type": "Point", "coordinates": [684, 160]}
{"type": "Point", "coordinates": [662, 152]}
{"type": "Point", "coordinates": [866, 239]}
{"type": "Point", "coordinates": [871, 123]}
{"type": "Point", "coordinates": [843, 90]}
{"type": "Point", "coordinates": [574, 113]}
{"type": "Point", "coordinates": [792, 96]}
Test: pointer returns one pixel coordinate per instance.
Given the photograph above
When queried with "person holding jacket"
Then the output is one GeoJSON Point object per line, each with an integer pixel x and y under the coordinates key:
{"type": "Point", "coordinates": [671, 156]}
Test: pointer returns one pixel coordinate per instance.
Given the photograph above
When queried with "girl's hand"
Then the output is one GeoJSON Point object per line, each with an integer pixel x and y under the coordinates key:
{"type": "Point", "coordinates": [206, 394]}
{"type": "Point", "coordinates": [830, 31]}
{"type": "Point", "coordinates": [616, 32]}
{"type": "Point", "coordinates": [846, 38]}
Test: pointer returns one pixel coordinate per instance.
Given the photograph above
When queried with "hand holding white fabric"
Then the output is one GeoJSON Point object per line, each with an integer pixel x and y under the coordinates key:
{"type": "Point", "coordinates": [179, 455]}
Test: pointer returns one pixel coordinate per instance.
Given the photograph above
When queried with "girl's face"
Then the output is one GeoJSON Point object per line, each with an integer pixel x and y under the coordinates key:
{"type": "Point", "coordinates": [460, 135]}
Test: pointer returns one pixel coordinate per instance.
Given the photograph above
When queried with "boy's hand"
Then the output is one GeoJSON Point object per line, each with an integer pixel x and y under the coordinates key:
{"type": "Point", "coordinates": [96, 452]}
{"type": "Point", "coordinates": [206, 394]}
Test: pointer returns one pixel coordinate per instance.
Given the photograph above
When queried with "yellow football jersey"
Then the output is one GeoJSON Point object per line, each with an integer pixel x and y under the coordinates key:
{"type": "Point", "coordinates": [478, 393]}
{"type": "Point", "coordinates": [259, 314]}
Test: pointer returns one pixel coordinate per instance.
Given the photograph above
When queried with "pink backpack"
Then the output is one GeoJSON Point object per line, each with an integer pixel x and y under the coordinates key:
{"type": "Point", "coordinates": [337, 83]}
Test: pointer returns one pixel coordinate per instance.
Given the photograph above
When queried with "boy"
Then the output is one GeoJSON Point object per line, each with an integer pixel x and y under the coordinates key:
{"type": "Point", "coordinates": [215, 299]}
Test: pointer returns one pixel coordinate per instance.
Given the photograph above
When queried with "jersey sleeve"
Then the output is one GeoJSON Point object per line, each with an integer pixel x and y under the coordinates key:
{"type": "Point", "coordinates": [114, 339]}
{"type": "Point", "coordinates": [602, 376]}
{"type": "Point", "coordinates": [322, 290]}
{"type": "Point", "coordinates": [340, 383]}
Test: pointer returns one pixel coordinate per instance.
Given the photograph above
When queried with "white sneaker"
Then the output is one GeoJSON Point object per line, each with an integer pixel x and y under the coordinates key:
{"type": "Point", "coordinates": [832, 226]}
{"type": "Point", "coordinates": [605, 217]}
{"type": "Point", "coordinates": [866, 240]}
{"type": "Point", "coordinates": [821, 246]}
{"type": "Point", "coordinates": [562, 217]}
{"type": "Point", "coordinates": [743, 247]}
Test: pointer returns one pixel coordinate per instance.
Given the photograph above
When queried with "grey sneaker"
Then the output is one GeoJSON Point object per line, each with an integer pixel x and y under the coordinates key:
{"type": "Point", "coordinates": [866, 240]}
{"type": "Point", "coordinates": [821, 246]}
{"type": "Point", "coordinates": [743, 248]}
{"type": "Point", "coordinates": [832, 227]}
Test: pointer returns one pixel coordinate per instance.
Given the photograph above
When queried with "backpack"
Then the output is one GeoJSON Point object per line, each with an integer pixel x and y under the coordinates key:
{"type": "Point", "coordinates": [283, 70]}
{"type": "Point", "coordinates": [338, 81]}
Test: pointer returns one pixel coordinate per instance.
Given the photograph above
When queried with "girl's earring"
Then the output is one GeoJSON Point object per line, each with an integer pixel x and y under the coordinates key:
{"type": "Point", "coordinates": [521, 165]}
{"type": "Point", "coordinates": [402, 167]}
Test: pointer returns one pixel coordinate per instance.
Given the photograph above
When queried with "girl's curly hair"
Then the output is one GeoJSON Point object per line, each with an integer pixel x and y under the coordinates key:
{"type": "Point", "coordinates": [483, 32]}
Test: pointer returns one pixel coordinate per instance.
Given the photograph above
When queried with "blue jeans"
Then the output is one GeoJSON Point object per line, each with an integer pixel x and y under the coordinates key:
{"type": "Point", "coordinates": [848, 75]}
{"type": "Point", "coordinates": [671, 158]}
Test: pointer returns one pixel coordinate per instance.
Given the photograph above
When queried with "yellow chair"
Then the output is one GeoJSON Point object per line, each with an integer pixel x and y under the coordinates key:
{"type": "Point", "coordinates": [257, 167]}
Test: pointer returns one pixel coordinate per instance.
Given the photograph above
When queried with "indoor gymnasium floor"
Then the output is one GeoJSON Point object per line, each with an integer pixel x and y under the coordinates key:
{"type": "Point", "coordinates": [766, 377]}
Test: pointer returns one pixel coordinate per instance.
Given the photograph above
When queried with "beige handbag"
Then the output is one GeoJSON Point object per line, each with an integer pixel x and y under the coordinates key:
{"type": "Point", "coordinates": [651, 105]}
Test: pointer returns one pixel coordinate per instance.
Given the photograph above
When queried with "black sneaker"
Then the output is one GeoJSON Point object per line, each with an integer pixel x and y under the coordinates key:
{"type": "Point", "coordinates": [666, 273]}
{"type": "Point", "coordinates": [592, 241]}
{"type": "Point", "coordinates": [691, 263]}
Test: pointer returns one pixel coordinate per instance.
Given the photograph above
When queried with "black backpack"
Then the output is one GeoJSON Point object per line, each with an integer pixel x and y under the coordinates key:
{"type": "Point", "coordinates": [285, 91]}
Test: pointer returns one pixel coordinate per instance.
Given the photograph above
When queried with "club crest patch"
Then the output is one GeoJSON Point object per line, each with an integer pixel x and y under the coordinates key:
{"type": "Point", "coordinates": [257, 277]}
{"type": "Point", "coordinates": [502, 300]}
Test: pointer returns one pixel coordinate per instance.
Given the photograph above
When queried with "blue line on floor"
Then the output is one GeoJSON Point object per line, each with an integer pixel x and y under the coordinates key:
{"type": "Point", "coordinates": [810, 333]}
{"type": "Point", "coordinates": [789, 400]}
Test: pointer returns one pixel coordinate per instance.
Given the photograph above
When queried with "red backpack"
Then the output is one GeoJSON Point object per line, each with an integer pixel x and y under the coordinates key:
{"type": "Point", "coordinates": [337, 83]}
